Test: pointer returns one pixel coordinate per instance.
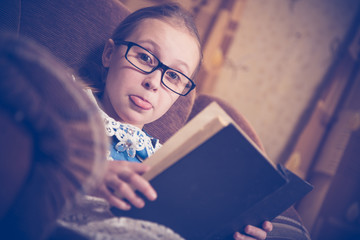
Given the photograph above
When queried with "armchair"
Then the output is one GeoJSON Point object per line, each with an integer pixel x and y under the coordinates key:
{"type": "Point", "coordinates": [74, 32]}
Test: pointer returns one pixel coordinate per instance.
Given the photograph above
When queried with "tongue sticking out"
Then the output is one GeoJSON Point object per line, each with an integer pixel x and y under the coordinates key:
{"type": "Point", "coordinates": [140, 102]}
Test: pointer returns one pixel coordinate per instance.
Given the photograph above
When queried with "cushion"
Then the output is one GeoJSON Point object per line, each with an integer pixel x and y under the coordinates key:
{"type": "Point", "coordinates": [71, 30]}
{"type": "Point", "coordinates": [54, 127]}
{"type": "Point", "coordinates": [202, 100]}
{"type": "Point", "coordinates": [173, 120]}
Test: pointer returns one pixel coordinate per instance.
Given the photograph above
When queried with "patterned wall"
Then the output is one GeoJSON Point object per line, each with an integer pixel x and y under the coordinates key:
{"type": "Point", "coordinates": [280, 54]}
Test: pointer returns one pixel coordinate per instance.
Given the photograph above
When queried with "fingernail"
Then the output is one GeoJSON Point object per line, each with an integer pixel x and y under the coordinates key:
{"type": "Point", "coordinates": [126, 206]}
{"type": "Point", "coordinates": [153, 196]}
{"type": "Point", "coordinates": [238, 236]}
{"type": "Point", "coordinates": [140, 203]}
{"type": "Point", "coordinates": [248, 229]}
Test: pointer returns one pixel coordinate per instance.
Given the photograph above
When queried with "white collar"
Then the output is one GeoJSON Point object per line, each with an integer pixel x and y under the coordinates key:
{"type": "Point", "coordinates": [131, 138]}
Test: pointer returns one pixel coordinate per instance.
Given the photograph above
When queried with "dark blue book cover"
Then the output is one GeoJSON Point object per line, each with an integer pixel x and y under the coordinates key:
{"type": "Point", "coordinates": [218, 188]}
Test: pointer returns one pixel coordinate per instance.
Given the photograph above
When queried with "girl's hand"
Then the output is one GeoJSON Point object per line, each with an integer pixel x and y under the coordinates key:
{"type": "Point", "coordinates": [121, 179]}
{"type": "Point", "coordinates": [255, 232]}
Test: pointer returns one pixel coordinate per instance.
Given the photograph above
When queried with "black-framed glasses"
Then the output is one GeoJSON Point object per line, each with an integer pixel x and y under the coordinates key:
{"type": "Point", "coordinates": [147, 62]}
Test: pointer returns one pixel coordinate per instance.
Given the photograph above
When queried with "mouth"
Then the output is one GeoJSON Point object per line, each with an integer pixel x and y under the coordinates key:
{"type": "Point", "coordinates": [140, 102]}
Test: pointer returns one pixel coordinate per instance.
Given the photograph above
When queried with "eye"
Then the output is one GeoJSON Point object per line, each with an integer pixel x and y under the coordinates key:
{"type": "Point", "coordinates": [145, 58]}
{"type": "Point", "coordinates": [188, 85]}
{"type": "Point", "coordinates": [173, 75]}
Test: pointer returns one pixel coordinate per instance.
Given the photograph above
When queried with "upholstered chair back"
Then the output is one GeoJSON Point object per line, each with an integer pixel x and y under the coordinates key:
{"type": "Point", "coordinates": [75, 32]}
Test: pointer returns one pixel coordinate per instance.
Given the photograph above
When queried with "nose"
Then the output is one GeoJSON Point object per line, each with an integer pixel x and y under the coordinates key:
{"type": "Point", "coordinates": [152, 81]}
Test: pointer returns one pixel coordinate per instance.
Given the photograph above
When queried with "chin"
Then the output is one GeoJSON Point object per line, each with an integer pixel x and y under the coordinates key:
{"type": "Point", "coordinates": [138, 122]}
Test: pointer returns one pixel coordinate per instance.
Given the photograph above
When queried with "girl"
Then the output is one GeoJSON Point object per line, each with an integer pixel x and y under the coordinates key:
{"type": "Point", "coordinates": [149, 63]}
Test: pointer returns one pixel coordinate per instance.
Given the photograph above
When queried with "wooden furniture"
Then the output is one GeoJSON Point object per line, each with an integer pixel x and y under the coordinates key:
{"type": "Point", "coordinates": [327, 149]}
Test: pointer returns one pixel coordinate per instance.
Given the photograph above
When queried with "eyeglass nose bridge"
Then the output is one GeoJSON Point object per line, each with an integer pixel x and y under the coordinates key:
{"type": "Point", "coordinates": [161, 66]}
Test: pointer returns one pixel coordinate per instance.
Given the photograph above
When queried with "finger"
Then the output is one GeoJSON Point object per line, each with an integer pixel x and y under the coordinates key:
{"type": "Point", "coordinates": [107, 194]}
{"type": "Point", "coordinates": [138, 183]}
{"type": "Point", "coordinates": [267, 226]}
{"type": "Point", "coordinates": [142, 185]}
{"type": "Point", "coordinates": [239, 236]}
{"type": "Point", "coordinates": [139, 168]}
{"type": "Point", "coordinates": [123, 189]}
{"type": "Point", "coordinates": [256, 232]}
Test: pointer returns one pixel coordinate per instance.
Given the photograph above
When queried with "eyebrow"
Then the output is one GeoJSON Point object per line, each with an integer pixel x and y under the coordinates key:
{"type": "Point", "coordinates": [156, 46]}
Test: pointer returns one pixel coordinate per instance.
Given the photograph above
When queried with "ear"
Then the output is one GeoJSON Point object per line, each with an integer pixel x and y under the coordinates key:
{"type": "Point", "coordinates": [109, 50]}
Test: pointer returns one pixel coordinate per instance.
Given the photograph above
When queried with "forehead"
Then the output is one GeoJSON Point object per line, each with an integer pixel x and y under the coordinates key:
{"type": "Point", "coordinates": [170, 40]}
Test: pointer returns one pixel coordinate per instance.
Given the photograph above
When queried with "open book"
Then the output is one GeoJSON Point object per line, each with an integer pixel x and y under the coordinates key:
{"type": "Point", "coordinates": [212, 181]}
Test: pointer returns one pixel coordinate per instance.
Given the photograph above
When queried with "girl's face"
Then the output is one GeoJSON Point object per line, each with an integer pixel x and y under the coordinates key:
{"type": "Point", "coordinates": [134, 97]}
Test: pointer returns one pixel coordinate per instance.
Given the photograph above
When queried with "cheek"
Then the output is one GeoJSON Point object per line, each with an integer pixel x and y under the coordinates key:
{"type": "Point", "coordinates": [118, 79]}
